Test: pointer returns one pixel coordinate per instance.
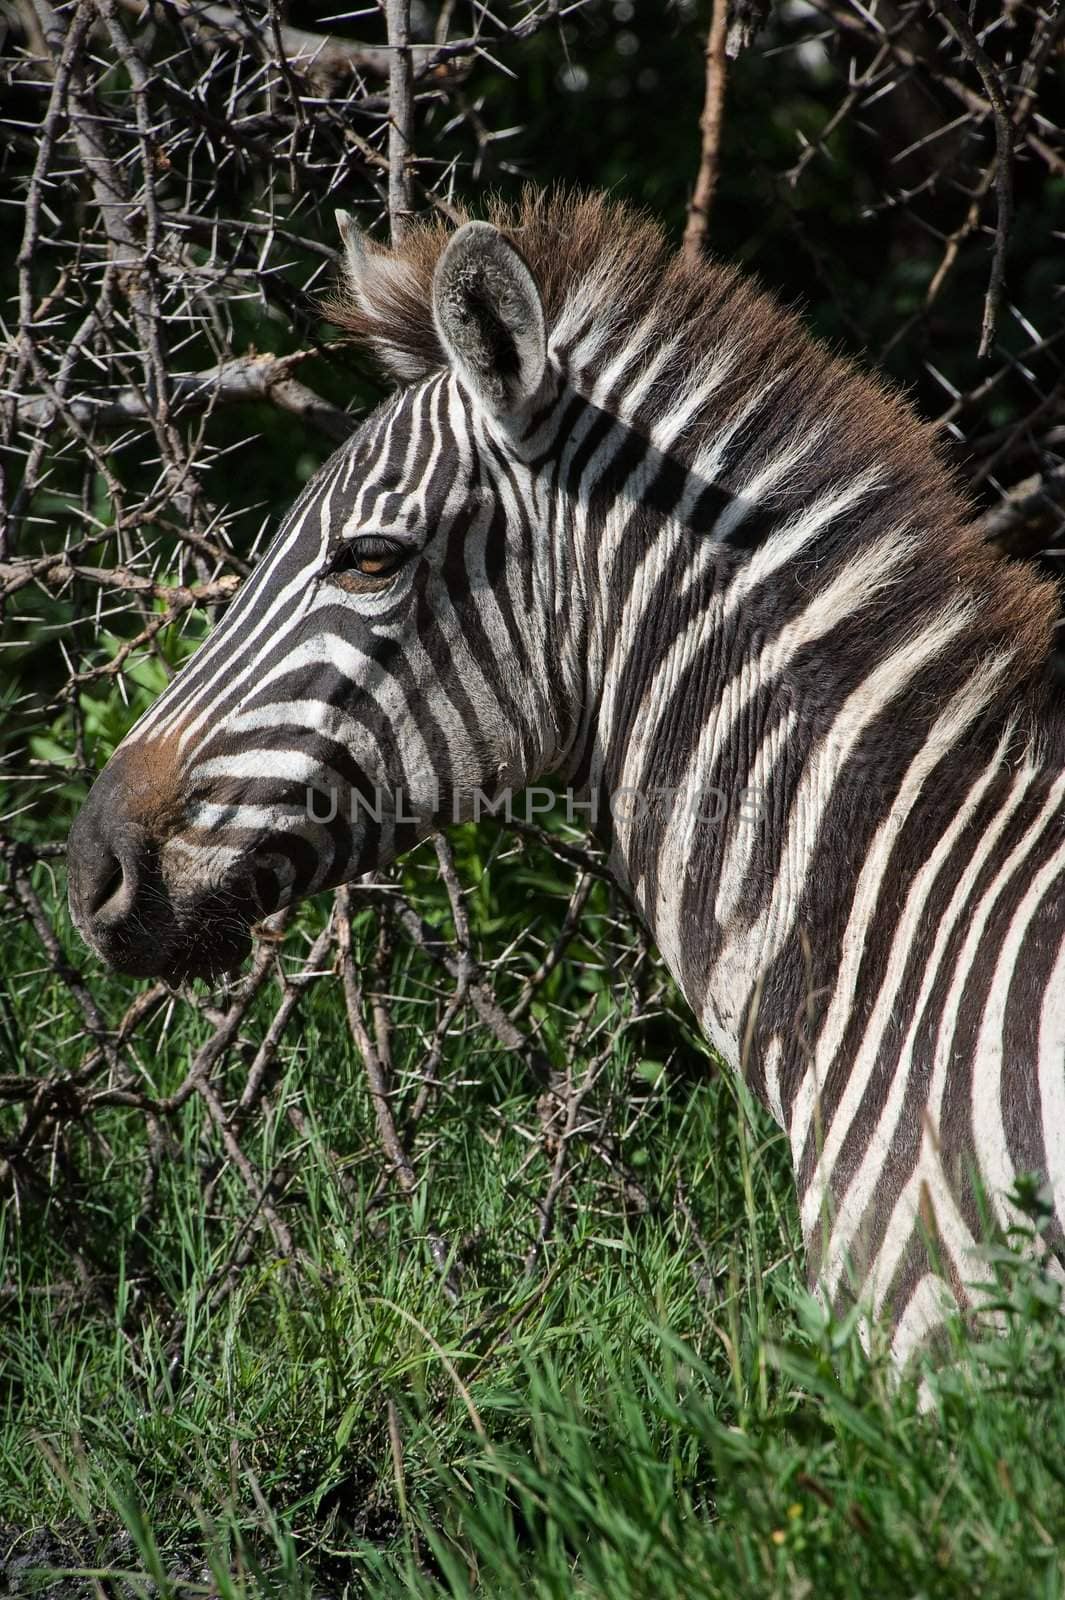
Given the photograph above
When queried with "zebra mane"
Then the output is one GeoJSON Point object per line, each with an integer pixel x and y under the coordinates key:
{"type": "Point", "coordinates": [608, 276]}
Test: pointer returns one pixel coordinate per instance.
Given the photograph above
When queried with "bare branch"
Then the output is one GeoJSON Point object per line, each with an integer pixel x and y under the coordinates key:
{"type": "Point", "coordinates": [244, 378]}
{"type": "Point", "coordinates": [710, 124]}
{"type": "Point", "coordinates": [380, 1089]}
{"type": "Point", "coordinates": [401, 118]}
{"type": "Point", "coordinates": [325, 55]}
{"type": "Point", "coordinates": [958, 25]}
{"type": "Point", "coordinates": [57, 572]}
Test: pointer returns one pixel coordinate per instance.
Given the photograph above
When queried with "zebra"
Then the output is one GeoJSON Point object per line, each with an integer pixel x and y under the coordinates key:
{"type": "Point", "coordinates": [622, 521]}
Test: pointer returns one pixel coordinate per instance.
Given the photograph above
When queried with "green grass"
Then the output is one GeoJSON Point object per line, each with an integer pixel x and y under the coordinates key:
{"type": "Point", "coordinates": [657, 1408]}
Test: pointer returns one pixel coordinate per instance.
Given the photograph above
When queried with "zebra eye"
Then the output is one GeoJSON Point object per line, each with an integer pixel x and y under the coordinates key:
{"type": "Point", "coordinates": [369, 557]}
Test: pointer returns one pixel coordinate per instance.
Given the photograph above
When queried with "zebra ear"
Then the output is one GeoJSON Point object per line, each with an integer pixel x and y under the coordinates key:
{"type": "Point", "coordinates": [490, 319]}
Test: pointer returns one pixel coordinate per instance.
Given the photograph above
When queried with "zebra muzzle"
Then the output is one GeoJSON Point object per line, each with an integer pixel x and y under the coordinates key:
{"type": "Point", "coordinates": [126, 912]}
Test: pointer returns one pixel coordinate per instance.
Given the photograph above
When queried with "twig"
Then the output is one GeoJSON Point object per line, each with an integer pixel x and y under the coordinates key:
{"type": "Point", "coordinates": [294, 988]}
{"type": "Point", "coordinates": [380, 1089]}
{"type": "Point", "coordinates": [710, 125]}
{"type": "Point", "coordinates": [377, 1077]}
{"type": "Point", "coordinates": [584, 857]}
{"type": "Point", "coordinates": [570, 1099]}
{"type": "Point", "coordinates": [567, 932]}
{"type": "Point", "coordinates": [211, 1053]}
{"type": "Point", "coordinates": [252, 377]}
{"type": "Point", "coordinates": [56, 571]}
{"type": "Point", "coordinates": [400, 118]}
{"type": "Point", "coordinates": [321, 54]}
{"type": "Point", "coordinates": [959, 27]}
{"type": "Point", "coordinates": [259, 1190]}
{"type": "Point", "coordinates": [481, 998]}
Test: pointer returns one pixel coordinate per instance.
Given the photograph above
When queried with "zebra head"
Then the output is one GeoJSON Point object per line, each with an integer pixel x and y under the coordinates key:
{"type": "Point", "coordinates": [392, 663]}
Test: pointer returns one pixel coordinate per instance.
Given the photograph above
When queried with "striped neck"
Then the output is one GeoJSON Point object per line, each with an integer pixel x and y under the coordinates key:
{"type": "Point", "coordinates": [778, 711]}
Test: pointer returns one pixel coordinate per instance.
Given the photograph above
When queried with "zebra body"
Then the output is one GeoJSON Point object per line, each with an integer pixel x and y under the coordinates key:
{"type": "Point", "coordinates": [625, 523]}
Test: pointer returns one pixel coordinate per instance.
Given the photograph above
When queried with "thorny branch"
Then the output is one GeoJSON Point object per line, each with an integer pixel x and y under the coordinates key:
{"type": "Point", "coordinates": [238, 381]}
{"type": "Point", "coordinates": [956, 22]}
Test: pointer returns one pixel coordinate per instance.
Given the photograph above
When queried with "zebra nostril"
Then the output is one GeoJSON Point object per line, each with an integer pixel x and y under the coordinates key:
{"type": "Point", "coordinates": [107, 882]}
{"type": "Point", "coordinates": [107, 889]}
{"type": "Point", "coordinates": [118, 900]}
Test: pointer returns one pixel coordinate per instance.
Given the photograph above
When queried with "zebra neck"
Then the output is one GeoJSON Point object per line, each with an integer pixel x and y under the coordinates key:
{"type": "Point", "coordinates": [765, 890]}
{"type": "Point", "coordinates": [773, 775]}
